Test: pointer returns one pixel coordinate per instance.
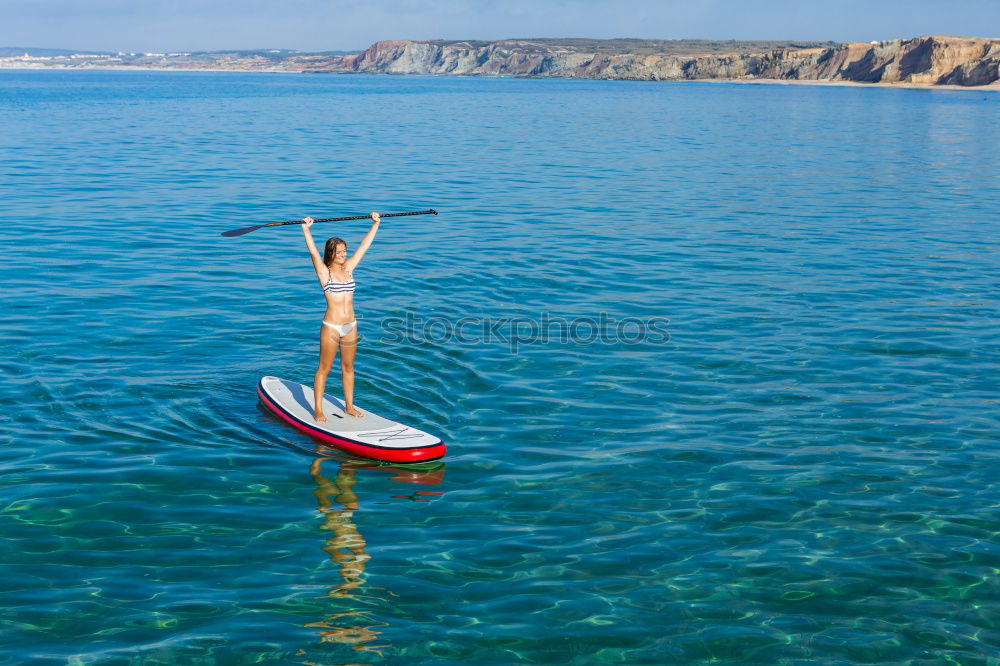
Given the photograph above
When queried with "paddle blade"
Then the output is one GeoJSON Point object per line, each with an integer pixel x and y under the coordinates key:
{"type": "Point", "coordinates": [244, 230]}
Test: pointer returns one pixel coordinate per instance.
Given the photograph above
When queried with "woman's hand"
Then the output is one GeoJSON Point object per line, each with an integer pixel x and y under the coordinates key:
{"type": "Point", "coordinates": [307, 222]}
{"type": "Point", "coordinates": [375, 217]}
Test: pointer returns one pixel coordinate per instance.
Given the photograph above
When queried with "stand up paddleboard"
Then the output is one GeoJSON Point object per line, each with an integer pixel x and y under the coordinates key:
{"type": "Point", "coordinates": [369, 436]}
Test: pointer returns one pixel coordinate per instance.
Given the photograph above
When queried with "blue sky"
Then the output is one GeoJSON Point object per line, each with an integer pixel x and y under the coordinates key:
{"type": "Point", "coordinates": [314, 25]}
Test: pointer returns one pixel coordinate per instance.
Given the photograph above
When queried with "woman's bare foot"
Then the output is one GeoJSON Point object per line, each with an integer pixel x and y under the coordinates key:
{"type": "Point", "coordinates": [320, 418]}
{"type": "Point", "coordinates": [353, 411]}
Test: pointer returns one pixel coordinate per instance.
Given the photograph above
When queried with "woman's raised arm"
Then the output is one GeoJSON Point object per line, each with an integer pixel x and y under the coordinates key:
{"type": "Point", "coordinates": [322, 272]}
{"type": "Point", "coordinates": [366, 242]}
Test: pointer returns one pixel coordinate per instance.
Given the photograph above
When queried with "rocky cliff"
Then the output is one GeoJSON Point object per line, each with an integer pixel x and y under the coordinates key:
{"type": "Point", "coordinates": [923, 60]}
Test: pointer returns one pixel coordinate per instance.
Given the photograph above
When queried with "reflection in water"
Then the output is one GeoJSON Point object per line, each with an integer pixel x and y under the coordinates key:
{"type": "Point", "coordinates": [346, 547]}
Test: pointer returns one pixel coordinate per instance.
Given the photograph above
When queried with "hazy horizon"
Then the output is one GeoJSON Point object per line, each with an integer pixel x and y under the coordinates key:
{"type": "Point", "coordinates": [50, 47]}
{"type": "Point", "coordinates": [352, 25]}
{"type": "Point", "coordinates": [14, 47]}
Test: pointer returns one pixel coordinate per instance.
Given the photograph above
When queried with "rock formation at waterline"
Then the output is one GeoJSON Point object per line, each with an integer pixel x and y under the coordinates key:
{"type": "Point", "coordinates": [965, 61]}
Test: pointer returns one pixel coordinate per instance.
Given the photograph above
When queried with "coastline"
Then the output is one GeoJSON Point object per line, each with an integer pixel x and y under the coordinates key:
{"type": "Point", "coordinates": [921, 63]}
{"type": "Point", "coordinates": [991, 87]}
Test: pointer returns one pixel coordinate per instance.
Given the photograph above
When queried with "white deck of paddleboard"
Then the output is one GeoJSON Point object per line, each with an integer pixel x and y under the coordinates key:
{"type": "Point", "coordinates": [297, 400]}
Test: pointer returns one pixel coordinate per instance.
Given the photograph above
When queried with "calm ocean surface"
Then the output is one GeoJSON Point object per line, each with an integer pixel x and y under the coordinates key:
{"type": "Point", "coordinates": [798, 463]}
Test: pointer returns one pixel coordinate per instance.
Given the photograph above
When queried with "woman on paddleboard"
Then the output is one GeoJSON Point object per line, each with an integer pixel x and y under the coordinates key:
{"type": "Point", "coordinates": [340, 328]}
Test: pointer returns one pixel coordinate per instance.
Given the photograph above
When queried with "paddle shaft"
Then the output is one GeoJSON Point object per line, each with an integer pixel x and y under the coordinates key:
{"type": "Point", "coordinates": [246, 230]}
{"type": "Point", "coordinates": [353, 217]}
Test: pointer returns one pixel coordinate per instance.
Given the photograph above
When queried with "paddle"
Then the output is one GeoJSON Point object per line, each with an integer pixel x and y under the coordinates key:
{"type": "Point", "coordinates": [246, 230]}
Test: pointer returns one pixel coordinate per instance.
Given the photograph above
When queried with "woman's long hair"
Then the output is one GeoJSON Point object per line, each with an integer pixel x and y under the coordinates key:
{"type": "Point", "coordinates": [331, 249]}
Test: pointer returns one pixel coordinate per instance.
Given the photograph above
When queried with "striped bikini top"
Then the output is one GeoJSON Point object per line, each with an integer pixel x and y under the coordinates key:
{"type": "Point", "coordinates": [336, 287]}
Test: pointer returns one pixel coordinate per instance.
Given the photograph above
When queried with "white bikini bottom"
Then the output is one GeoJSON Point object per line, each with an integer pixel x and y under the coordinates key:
{"type": "Point", "coordinates": [342, 329]}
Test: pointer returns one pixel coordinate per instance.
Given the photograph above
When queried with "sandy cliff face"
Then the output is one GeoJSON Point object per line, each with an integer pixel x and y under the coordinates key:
{"type": "Point", "coordinates": [931, 60]}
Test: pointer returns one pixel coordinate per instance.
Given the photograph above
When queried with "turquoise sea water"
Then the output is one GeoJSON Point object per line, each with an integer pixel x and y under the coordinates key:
{"type": "Point", "coordinates": [798, 465]}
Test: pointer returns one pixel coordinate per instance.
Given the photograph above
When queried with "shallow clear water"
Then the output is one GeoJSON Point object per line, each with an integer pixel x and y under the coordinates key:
{"type": "Point", "coordinates": [797, 464]}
